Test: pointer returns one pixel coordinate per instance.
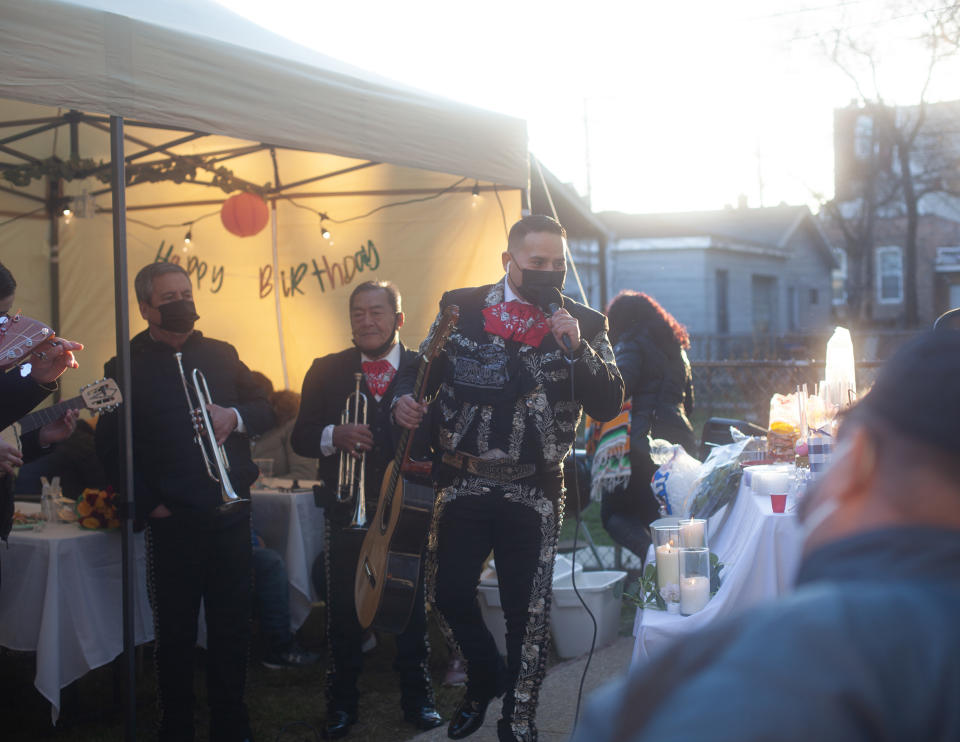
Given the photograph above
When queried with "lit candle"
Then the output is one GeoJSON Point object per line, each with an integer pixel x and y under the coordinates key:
{"type": "Point", "coordinates": [668, 565]}
{"type": "Point", "coordinates": [694, 594]}
{"type": "Point", "coordinates": [692, 532]}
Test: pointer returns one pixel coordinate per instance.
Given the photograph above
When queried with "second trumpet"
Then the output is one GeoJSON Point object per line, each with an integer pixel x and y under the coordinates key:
{"type": "Point", "coordinates": [351, 479]}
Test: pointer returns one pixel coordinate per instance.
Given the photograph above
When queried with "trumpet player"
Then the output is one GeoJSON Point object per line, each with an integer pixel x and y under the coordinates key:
{"type": "Point", "coordinates": [322, 431]}
{"type": "Point", "coordinates": [198, 537]}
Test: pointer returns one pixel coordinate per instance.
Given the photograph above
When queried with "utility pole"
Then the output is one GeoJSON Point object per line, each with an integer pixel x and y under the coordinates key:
{"type": "Point", "coordinates": [588, 196]}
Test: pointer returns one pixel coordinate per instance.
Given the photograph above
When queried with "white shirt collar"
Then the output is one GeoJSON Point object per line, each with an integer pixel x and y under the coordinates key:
{"type": "Point", "coordinates": [393, 356]}
{"type": "Point", "coordinates": [509, 294]}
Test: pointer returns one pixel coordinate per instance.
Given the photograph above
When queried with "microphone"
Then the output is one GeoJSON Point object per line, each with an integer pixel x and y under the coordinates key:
{"type": "Point", "coordinates": [554, 306]}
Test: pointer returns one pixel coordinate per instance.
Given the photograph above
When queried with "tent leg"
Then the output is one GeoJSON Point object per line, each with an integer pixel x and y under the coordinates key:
{"type": "Point", "coordinates": [121, 299]}
{"type": "Point", "coordinates": [277, 288]}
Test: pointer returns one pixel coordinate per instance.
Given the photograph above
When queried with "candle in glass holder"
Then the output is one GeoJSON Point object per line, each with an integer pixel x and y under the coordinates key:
{"type": "Point", "coordinates": [668, 566]}
{"type": "Point", "coordinates": [666, 541]}
{"type": "Point", "coordinates": [693, 532]}
{"type": "Point", "coordinates": [694, 579]}
{"type": "Point", "coordinates": [694, 594]}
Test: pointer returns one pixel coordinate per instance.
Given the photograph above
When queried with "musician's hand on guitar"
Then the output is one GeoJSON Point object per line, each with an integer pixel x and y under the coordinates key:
{"type": "Point", "coordinates": [354, 438]}
{"type": "Point", "coordinates": [224, 421]}
{"type": "Point", "coordinates": [408, 413]}
{"type": "Point", "coordinates": [59, 430]}
{"type": "Point", "coordinates": [9, 458]}
{"type": "Point", "coordinates": [53, 359]}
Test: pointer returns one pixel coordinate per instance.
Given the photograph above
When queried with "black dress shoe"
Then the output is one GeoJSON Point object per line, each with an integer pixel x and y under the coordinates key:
{"type": "Point", "coordinates": [468, 718]}
{"type": "Point", "coordinates": [423, 718]}
{"type": "Point", "coordinates": [338, 724]}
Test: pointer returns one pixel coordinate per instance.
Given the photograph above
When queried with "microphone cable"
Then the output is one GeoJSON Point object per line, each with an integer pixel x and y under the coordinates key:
{"type": "Point", "coordinates": [553, 307]}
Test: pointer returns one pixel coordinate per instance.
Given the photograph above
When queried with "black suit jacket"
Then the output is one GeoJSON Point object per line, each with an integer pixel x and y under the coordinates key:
{"type": "Point", "coordinates": [326, 387]}
{"type": "Point", "coordinates": [168, 465]}
{"type": "Point", "coordinates": [18, 395]}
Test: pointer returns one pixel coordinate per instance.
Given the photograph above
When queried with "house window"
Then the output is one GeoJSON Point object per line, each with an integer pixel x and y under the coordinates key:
{"type": "Point", "coordinates": [764, 299]}
{"type": "Point", "coordinates": [814, 297]}
{"type": "Point", "coordinates": [839, 278]}
{"type": "Point", "coordinates": [889, 262]}
{"type": "Point", "coordinates": [863, 137]}
{"type": "Point", "coordinates": [792, 308]}
{"type": "Point", "coordinates": [723, 314]}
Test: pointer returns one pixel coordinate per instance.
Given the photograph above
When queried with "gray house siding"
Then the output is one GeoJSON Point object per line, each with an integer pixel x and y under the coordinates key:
{"type": "Point", "coordinates": [806, 272]}
{"type": "Point", "coordinates": [674, 277]}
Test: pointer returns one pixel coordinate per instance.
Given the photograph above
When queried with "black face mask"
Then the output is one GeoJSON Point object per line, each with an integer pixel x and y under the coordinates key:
{"type": "Point", "coordinates": [178, 316]}
{"type": "Point", "coordinates": [541, 287]}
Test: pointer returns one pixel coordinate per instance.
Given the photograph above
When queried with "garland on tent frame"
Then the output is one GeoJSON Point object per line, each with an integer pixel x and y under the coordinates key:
{"type": "Point", "coordinates": [175, 170]}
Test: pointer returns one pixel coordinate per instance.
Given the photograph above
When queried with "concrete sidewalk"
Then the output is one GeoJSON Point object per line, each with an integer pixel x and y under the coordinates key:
{"type": "Point", "coordinates": [558, 695]}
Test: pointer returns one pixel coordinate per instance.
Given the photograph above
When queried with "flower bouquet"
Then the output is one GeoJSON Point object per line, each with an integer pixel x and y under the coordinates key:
{"type": "Point", "coordinates": [97, 509]}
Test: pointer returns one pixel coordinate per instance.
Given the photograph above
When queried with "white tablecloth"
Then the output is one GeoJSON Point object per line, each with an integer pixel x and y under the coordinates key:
{"type": "Point", "coordinates": [62, 587]}
{"type": "Point", "coordinates": [61, 597]}
{"type": "Point", "coordinates": [291, 524]}
{"type": "Point", "coordinates": [761, 553]}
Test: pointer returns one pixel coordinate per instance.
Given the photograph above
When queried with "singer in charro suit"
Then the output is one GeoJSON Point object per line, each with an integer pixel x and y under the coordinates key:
{"type": "Point", "coordinates": [375, 319]}
{"type": "Point", "coordinates": [502, 424]}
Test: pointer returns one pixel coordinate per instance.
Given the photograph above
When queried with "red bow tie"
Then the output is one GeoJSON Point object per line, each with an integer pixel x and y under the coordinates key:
{"type": "Point", "coordinates": [379, 374]}
{"type": "Point", "coordinates": [515, 320]}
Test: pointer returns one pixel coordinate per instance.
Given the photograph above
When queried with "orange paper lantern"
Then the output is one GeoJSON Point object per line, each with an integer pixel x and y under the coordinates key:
{"type": "Point", "coordinates": [244, 214]}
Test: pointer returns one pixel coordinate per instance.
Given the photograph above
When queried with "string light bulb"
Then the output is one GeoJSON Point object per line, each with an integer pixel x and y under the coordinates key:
{"type": "Point", "coordinates": [324, 232]}
{"type": "Point", "coordinates": [476, 190]}
{"type": "Point", "coordinates": [188, 237]}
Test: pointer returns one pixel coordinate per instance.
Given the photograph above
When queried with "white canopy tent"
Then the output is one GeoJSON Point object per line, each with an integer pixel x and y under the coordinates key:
{"type": "Point", "coordinates": [190, 79]}
{"type": "Point", "coordinates": [195, 65]}
{"type": "Point", "coordinates": [267, 110]}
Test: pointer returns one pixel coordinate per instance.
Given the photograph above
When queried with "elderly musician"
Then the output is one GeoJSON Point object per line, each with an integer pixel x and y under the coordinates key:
{"type": "Point", "coordinates": [503, 422]}
{"type": "Point", "coordinates": [198, 532]}
{"type": "Point", "coordinates": [375, 319]}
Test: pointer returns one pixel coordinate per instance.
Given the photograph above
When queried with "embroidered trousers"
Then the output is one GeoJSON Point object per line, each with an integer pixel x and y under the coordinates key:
{"type": "Point", "coordinates": [520, 524]}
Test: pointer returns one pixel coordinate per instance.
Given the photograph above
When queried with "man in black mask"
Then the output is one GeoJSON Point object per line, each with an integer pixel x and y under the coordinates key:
{"type": "Point", "coordinates": [197, 546]}
{"type": "Point", "coordinates": [378, 356]}
{"type": "Point", "coordinates": [502, 424]}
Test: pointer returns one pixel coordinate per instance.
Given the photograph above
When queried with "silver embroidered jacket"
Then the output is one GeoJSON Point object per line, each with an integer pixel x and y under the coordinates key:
{"type": "Point", "coordinates": [502, 394]}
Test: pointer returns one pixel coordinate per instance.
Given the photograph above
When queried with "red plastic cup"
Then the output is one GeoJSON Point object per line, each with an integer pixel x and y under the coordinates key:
{"type": "Point", "coordinates": [778, 503]}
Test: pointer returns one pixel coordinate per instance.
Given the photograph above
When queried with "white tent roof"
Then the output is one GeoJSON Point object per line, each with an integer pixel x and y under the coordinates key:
{"type": "Point", "coordinates": [196, 65]}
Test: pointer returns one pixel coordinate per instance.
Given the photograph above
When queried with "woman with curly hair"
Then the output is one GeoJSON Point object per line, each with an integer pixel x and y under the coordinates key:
{"type": "Point", "coordinates": [650, 346]}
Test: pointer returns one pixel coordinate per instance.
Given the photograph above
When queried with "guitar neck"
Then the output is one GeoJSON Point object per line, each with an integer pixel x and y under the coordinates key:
{"type": "Point", "coordinates": [49, 414]}
{"type": "Point", "coordinates": [406, 437]}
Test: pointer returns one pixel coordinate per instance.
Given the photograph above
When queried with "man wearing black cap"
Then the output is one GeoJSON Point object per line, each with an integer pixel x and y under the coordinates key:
{"type": "Point", "coordinates": [866, 647]}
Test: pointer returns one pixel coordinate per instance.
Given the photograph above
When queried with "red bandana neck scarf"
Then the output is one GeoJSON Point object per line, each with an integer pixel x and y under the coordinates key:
{"type": "Point", "coordinates": [515, 320]}
{"type": "Point", "coordinates": [379, 374]}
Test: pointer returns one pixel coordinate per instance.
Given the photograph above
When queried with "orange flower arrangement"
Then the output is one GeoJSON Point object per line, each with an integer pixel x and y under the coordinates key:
{"type": "Point", "coordinates": [96, 509]}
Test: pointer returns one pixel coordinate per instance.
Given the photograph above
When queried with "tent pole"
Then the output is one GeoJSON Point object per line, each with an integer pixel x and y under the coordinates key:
{"type": "Point", "coordinates": [54, 195]}
{"type": "Point", "coordinates": [277, 288]}
{"type": "Point", "coordinates": [121, 302]}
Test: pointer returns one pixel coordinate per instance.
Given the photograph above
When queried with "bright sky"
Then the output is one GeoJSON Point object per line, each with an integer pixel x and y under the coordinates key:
{"type": "Point", "coordinates": [686, 104]}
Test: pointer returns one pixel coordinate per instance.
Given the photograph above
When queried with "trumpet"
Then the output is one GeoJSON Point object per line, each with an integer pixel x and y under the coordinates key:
{"type": "Point", "coordinates": [351, 479]}
{"type": "Point", "coordinates": [204, 435]}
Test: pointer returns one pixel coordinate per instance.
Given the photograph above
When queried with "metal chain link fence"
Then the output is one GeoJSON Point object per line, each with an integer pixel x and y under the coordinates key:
{"type": "Point", "coordinates": [742, 389]}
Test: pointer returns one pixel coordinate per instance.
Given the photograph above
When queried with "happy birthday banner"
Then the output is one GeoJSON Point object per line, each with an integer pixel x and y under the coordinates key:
{"type": "Point", "coordinates": [425, 248]}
